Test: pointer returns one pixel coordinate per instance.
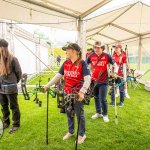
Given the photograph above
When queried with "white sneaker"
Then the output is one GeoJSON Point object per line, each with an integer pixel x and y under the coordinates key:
{"type": "Point", "coordinates": [117, 95]}
{"type": "Point", "coordinates": [105, 118]}
{"type": "Point", "coordinates": [97, 115]}
{"type": "Point", "coordinates": [81, 139]}
{"type": "Point", "coordinates": [67, 136]}
{"type": "Point", "coordinates": [127, 96]}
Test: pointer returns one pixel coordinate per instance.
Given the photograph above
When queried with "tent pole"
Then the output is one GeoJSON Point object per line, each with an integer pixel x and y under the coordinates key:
{"type": "Point", "coordinates": [81, 26]}
{"type": "Point", "coordinates": [37, 62]}
{"type": "Point", "coordinates": [139, 54]}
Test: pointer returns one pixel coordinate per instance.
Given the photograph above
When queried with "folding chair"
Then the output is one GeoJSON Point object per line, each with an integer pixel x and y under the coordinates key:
{"type": "Point", "coordinates": [138, 75]}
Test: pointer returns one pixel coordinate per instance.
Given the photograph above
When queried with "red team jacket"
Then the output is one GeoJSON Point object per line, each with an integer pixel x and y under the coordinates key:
{"type": "Point", "coordinates": [73, 75]}
{"type": "Point", "coordinates": [120, 60]}
{"type": "Point", "coordinates": [99, 66]}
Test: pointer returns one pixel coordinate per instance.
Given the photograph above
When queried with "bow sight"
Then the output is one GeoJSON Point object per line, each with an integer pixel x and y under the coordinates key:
{"type": "Point", "coordinates": [37, 89]}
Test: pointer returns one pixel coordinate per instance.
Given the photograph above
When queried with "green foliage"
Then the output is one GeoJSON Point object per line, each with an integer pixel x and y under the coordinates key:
{"type": "Point", "coordinates": [59, 51]}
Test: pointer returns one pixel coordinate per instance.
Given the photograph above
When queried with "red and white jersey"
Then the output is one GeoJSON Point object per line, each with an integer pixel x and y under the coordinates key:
{"type": "Point", "coordinates": [73, 75]}
{"type": "Point", "coordinates": [99, 66]}
{"type": "Point", "coordinates": [120, 60]}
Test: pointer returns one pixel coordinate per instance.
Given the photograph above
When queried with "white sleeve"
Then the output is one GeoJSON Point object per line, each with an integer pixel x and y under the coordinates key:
{"type": "Point", "coordinates": [124, 71]}
{"type": "Point", "coordinates": [54, 80]}
{"type": "Point", "coordinates": [90, 68]}
{"type": "Point", "coordinates": [115, 68]}
{"type": "Point", "coordinates": [87, 82]}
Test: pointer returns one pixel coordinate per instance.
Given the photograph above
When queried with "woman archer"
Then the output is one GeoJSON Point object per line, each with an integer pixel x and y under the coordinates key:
{"type": "Point", "coordinates": [10, 75]}
{"type": "Point", "coordinates": [77, 80]}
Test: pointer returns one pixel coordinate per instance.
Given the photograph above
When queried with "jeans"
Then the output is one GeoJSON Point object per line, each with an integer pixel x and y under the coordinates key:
{"type": "Point", "coordinates": [100, 93]}
{"type": "Point", "coordinates": [122, 94]}
{"type": "Point", "coordinates": [5, 99]}
{"type": "Point", "coordinates": [78, 108]}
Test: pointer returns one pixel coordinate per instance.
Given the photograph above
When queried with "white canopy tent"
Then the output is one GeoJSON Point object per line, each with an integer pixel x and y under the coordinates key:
{"type": "Point", "coordinates": [126, 24]}
{"type": "Point", "coordinates": [54, 13]}
{"type": "Point", "coordinates": [120, 25]}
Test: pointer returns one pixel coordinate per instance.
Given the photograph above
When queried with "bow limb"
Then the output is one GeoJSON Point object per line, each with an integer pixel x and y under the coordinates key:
{"type": "Point", "coordinates": [23, 87]}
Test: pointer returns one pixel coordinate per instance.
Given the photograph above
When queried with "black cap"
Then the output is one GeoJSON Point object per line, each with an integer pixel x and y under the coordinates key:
{"type": "Point", "coordinates": [90, 49]}
{"type": "Point", "coordinates": [73, 46]}
{"type": "Point", "coordinates": [3, 43]}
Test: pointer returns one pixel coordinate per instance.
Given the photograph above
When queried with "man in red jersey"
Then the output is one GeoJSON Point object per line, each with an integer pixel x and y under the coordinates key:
{"type": "Point", "coordinates": [77, 80]}
{"type": "Point", "coordinates": [120, 60]}
{"type": "Point", "coordinates": [98, 62]}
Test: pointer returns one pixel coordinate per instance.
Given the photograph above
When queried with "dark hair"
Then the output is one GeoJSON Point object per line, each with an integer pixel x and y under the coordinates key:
{"type": "Point", "coordinates": [3, 43]}
{"type": "Point", "coordinates": [103, 48]}
{"type": "Point", "coordinates": [90, 49]}
{"type": "Point", "coordinates": [79, 56]}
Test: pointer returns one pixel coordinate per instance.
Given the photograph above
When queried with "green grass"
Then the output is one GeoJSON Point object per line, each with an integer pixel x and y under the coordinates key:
{"type": "Point", "coordinates": [131, 133]}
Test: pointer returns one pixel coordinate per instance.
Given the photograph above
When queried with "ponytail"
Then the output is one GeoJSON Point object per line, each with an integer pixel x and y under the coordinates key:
{"type": "Point", "coordinates": [79, 53]}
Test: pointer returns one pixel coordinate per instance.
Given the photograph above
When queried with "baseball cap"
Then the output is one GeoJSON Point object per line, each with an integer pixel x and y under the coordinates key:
{"type": "Point", "coordinates": [73, 46]}
{"type": "Point", "coordinates": [3, 43]}
{"type": "Point", "coordinates": [118, 46]}
{"type": "Point", "coordinates": [98, 44]}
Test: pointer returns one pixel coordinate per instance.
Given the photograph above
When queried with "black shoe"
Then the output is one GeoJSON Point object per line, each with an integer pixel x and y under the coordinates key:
{"type": "Point", "coordinates": [120, 104]}
{"type": "Point", "coordinates": [13, 129]}
{"type": "Point", "coordinates": [5, 125]}
{"type": "Point", "coordinates": [112, 104]}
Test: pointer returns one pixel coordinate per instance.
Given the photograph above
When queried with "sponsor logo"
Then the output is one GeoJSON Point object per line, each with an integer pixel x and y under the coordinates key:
{"type": "Point", "coordinates": [71, 73]}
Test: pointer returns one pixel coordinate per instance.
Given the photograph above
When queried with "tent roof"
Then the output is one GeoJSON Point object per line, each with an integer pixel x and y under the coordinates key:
{"type": "Point", "coordinates": [126, 23]}
{"type": "Point", "coordinates": [72, 6]}
{"type": "Point", "coordinates": [122, 24]}
{"type": "Point", "coordinates": [55, 13]}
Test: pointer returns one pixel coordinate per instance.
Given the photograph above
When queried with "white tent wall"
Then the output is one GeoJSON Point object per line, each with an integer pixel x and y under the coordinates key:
{"type": "Point", "coordinates": [25, 47]}
{"type": "Point", "coordinates": [44, 57]}
{"type": "Point", "coordinates": [145, 65]}
{"type": "Point", "coordinates": [26, 59]}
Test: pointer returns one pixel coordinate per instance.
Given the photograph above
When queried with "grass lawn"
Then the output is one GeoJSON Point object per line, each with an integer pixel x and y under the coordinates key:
{"type": "Point", "coordinates": [131, 133]}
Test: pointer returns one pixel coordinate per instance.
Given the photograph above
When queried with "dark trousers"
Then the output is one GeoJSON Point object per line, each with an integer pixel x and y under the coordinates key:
{"type": "Point", "coordinates": [5, 100]}
{"type": "Point", "coordinates": [78, 110]}
{"type": "Point", "coordinates": [122, 94]}
{"type": "Point", "coordinates": [100, 93]}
